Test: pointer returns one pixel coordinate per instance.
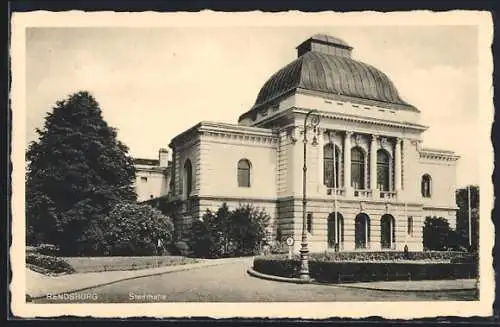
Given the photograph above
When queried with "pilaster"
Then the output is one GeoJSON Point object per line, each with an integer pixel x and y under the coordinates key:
{"type": "Point", "coordinates": [373, 167]}
{"type": "Point", "coordinates": [347, 164]}
{"type": "Point", "coordinates": [397, 166]}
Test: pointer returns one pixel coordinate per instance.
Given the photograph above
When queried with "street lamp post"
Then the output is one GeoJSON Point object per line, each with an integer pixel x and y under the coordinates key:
{"type": "Point", "coordinates": [304, 251]}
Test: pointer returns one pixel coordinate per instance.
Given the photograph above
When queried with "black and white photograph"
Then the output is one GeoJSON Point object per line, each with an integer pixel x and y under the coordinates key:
{"type": "Point", "coordinates": [252, 164]}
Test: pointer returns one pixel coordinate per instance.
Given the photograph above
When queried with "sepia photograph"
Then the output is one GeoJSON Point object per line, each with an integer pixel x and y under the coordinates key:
{"type": "Point", "coordinates": [246, 164]}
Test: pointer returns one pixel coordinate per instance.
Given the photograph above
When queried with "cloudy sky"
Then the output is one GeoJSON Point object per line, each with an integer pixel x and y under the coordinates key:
{"type": "Point", "coordinates": [154, 83]}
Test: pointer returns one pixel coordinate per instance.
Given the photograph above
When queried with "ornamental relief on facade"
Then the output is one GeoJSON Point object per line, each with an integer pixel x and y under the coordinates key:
{"type": "Point", "coordinates": [386, 144]}
{"type": "Point", "coordinates": [361, 141]}
{"type": "Point", "coordinates": [334, 137]}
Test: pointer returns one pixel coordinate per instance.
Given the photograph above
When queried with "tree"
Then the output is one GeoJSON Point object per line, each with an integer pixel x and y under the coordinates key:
{"type": "Point", "coordinates": [77, 172]}
{"type": "Point", "coordinates": [435, 233]}
{"type": "Point", "coordinates": [137, 229]}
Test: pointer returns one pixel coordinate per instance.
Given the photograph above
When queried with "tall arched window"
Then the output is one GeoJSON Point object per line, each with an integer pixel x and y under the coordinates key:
{"type": "Point", "coordinates": [244, 173]}
{"type": "Point", "coordinates": [335, 230]}
{"type": "Point", "coordinates": [362, 231]}
{"type": "Point", "coordinates": [357, 168]}
{"type": "Point", "coordinates": [426, 186]}
{"type": "Point", "coordinates": [383, 170]}
{"type": "Point", "coordinates": [328, 164]}
{"type": "Point", "coordinates": [387, 231]}
{"type": "Point", "coordinates": [188, 177]}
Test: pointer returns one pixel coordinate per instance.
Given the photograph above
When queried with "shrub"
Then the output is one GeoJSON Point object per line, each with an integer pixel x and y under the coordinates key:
{"type": "Point", "coordinates": [279, 248]}
{"type": "Point", "coordinates": [226, 233]}
{"type": "Point", "coordinates": [182, 248]}
{"type": "Point", "coordinates": [325, 271]}
{"type": "Point", "coordinates": [137, 230]}
{"type": "Point", "coordinates": [247, 230]}
{"type": "Point", "coordinates": [277, 267]}
{"type": "Point", "coordinates": [468, 258]}
{"type": "Point", "coordinates": [49, 263]}
{"type": "Point", "coordinates": [377, 256]}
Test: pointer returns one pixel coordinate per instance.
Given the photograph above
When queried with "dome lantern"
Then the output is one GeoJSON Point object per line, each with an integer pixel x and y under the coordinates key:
{"type": "Point", "coordinates": [325, 44]}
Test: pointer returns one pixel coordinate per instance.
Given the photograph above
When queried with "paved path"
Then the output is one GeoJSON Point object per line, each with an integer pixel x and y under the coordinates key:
{"type": "Point", "coordinates": [229, 282]}
{"type": "Point", "coordinates": [38, 285]}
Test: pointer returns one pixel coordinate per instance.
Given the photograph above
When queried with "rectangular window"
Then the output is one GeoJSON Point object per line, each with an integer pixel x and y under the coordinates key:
{"type": "Point", "coordinates": [410, 226]}
{"type": "Point", "coordinates": [144, 179]}
{"type": "Point", "coordinates": [309, 222]}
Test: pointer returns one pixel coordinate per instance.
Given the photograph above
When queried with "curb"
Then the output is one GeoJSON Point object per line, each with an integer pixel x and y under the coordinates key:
{"type": "Point", "coordinates": [346, 285]}
{"type": "Point", "coordinates": [257, 274]}
{"type": "Point", "coordinates": [30, 298]}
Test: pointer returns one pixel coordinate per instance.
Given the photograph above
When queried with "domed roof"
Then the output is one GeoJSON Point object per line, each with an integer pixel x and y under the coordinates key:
{"type": "Point", "coordinates": [325, 65]}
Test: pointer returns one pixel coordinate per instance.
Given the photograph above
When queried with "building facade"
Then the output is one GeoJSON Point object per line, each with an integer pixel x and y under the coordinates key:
{"type": "Point", "coordinates": [152, 177]}
{"type": "Point", "coordinates": [370, 182]}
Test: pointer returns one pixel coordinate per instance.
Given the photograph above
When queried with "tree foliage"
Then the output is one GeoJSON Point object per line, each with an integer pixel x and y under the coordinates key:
{"type": "Point", "coordinates": [137, 229]}
{"type": "Point", "coordinates": [435, 233]}
{"type": "Point", "coordinates": [438, 236]}
{"type": "Point", "coordinates": [77, 172]}
{"type": "Point", "coordinates": [229, 233]}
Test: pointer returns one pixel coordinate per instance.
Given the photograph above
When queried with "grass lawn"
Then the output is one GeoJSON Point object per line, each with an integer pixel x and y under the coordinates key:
{"type": "Point", "coordinates": [97, 264]}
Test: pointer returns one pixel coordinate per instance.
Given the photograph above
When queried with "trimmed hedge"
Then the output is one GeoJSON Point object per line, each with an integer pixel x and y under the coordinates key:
{"type": "Point", "coordinates": [386, 256]}
{"type": "Point", "coordinates": [49, 263]}
{"type": "Point", "coordinates": [340, 272]}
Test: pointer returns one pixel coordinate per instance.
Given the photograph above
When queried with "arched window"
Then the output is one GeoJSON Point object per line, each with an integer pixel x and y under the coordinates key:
{"type": "Point", "coordinates": [387, 231]}
{"type": "Point", "coordinates": [383, 170]}
{"type": "Point", "coordinates": [357, 168]}
{"type": "Point", "coordinates": [330, 160]}
{"type": "Point", "coordinates": [188, 177]}
{"type": "Point", "coordinates": [410, 226]}
{"type": "Point", "coordinates": [362, 231]}
{"type": "Point", "coordinates": [426, 186]}
{"type": "Point", "coordinates": [335, 230]}
{"type": "Point", "coordinates": [244, 173]}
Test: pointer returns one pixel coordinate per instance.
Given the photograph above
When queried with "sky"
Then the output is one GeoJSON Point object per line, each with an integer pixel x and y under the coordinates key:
{"type": "Point", "coordinates": [154, 83]}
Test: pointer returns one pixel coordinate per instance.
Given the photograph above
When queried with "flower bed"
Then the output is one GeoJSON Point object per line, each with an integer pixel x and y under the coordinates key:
{"type": "Point", "coordinates": [328, 268]}
{"type": "Point", "coordinates": [49, 264]}
{"type": "Point", "coordinates": [388, 256]}
{"type": "Point", "coordinates": [45, 249]}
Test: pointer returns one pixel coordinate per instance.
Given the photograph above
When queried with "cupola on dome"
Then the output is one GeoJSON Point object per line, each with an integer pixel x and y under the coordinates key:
{"type": "Point", "coordinates": [324, 64]}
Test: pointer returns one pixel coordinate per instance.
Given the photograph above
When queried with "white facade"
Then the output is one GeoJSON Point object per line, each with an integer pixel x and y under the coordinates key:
{"type": "Point", "coordinates": [152, 176]}
{"type": "Point", "coordinates": [380, 199]}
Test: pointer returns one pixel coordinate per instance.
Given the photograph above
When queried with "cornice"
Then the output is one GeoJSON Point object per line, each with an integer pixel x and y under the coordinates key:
{"type": "Point", "coordinates": [365, 120]}
{"type": "Point", "coordinates": [438, 207]}
{"type": "Point", "coordinates": [224, 129]}
{"type": "Point", "coordinates": [237, 198]}
{"type": "Point", "coordinates": [435, 155]}
{"type": "Point", "coordinates": [356, 100]}
{"type": "Point", "coordinates": [152, 169]}
{"type": "Point", "coordinates": [244, 138]}
{"type": "Point", "coordinates": [337, 97]}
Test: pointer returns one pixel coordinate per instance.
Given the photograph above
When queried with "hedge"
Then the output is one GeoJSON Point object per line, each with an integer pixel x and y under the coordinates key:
{"type": "Point", "coordinates": [339, 272]}
{"type": "Point", "coordinates": [49, 263]}
{"type": "Point", "coordinates": [387, 256]}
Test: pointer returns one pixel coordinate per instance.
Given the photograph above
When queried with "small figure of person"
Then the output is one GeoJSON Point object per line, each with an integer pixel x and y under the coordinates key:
{"type": "Point", "coordinates": [405, 250]}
